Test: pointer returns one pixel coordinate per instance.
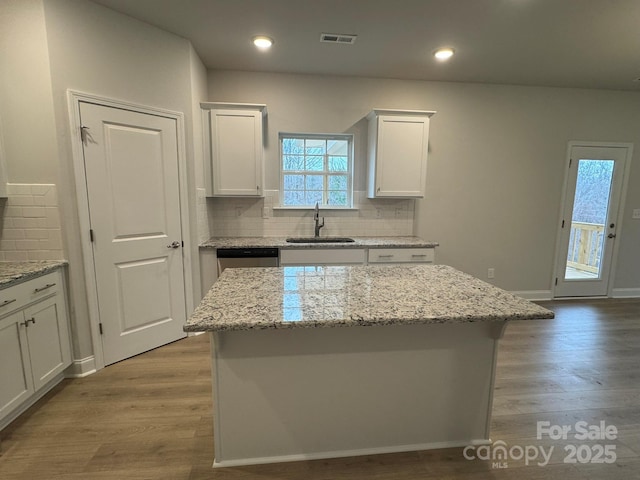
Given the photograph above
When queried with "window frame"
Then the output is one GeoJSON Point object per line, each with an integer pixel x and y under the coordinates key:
{"type": "Point", "coordinates": [349, 137]}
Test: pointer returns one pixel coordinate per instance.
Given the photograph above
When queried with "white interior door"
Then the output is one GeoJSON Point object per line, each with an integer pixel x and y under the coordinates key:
{"type": "Point", "coordinates": [131, 164]}
{"type": "Point", "coordinates": [588, 229]}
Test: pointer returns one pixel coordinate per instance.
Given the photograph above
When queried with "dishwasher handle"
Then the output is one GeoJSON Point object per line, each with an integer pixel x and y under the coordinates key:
{"type": "Point", "coordinates": [267, 252]}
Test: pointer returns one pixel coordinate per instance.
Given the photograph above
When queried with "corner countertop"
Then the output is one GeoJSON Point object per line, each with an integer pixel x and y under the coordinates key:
{"type": "Point", "coordinates": [12, 273]}
{"type": "Point", "coordinates": [281, 242]}
{"type": "Point", "coordinates": [339, 296]}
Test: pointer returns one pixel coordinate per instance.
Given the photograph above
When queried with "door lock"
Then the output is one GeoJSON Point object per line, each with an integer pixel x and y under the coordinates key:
{"type": "Point", "coordinates": [611, 235]}
{"type": "Point", "coordinates": [175, 244]}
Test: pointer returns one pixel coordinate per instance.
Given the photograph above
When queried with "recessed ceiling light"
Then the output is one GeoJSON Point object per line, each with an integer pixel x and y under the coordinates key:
{"type": "Point", "coordinates": [262, 42]}
{"type": "Point", "coordinates": [443, 53]}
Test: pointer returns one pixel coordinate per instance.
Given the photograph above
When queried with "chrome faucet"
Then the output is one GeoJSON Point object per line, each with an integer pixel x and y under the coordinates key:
{"type": "Point", "coordinates": [316, 218]}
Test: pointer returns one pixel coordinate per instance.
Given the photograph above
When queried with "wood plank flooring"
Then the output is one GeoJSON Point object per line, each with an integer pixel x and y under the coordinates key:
{"type": "Point", "coordinates": [149, 417]}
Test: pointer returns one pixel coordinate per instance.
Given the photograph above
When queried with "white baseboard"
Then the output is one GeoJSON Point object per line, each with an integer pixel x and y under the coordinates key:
{"type": "Point", "coordinates": [346, 453]}
{"type": "Point", "coordinates": [625, 292]}
{"type": "Point", "coordinates": [81, 367]}
{"type": "Point", "coordinates": [539, 295]}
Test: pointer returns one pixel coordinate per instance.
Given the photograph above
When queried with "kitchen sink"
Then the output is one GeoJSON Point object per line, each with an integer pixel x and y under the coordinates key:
{"type": "Point", "coordinates": [320, 240]}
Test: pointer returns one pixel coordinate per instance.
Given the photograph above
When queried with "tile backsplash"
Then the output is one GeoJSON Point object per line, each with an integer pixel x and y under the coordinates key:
{"type": "Point", "coordinates": [30, 223]}
{"type": "Point", "coordinates": [201, 215]}
{"type": "Point", "coordinates": [248, 217]}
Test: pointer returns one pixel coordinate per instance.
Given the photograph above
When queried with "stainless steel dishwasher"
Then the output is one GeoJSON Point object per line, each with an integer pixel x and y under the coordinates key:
{"type": "Point", "coordinates": [246, 258]}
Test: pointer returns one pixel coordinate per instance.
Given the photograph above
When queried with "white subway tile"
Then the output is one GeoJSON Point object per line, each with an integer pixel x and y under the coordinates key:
{"type": "Point", "coordinates": [12, 234]}
{"type": "Point", "coordinates": [27, 245]}
{"type": "Point", "coordinates": [33, 212]}
{"type": "Point", "coordinates": [53, 217]}
{"type": "Point", "coordinates": [14, 212]}
{"type": "Point", "coordinates": [36, 233]}
{"type": "Point", "coordinates": [7, 245]}
{"type": "Point", "coordinates": [21, 222]}
{"type": "Point", "coordinates": [51, 198]}
{"type": "Point", "coordinates": [18, 189]}
{"type": "Point", "coordinates": [15, 256]}
{"type": "Point", "coordinates": [20, 200]}
{"type": "Point", "coordinates": [42, 189]}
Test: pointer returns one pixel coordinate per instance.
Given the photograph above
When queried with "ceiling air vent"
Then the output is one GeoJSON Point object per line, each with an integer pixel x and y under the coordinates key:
{"type": "Point", "coordinates": [342, 38]}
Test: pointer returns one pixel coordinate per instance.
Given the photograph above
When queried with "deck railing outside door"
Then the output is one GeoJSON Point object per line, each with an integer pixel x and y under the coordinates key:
{"type": "Point", "coordinates": [585, 246]}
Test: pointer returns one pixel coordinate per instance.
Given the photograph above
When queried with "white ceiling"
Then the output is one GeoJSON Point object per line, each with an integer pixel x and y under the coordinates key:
{"type": "Point", "coordinates": [565, 43]}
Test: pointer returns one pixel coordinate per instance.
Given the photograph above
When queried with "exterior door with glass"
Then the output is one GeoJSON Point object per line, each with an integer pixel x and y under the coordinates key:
{"type": "Point", "coordinates": [589, 222]}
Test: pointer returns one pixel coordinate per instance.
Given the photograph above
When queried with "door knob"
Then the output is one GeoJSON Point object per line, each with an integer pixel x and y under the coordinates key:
{"type": "Point", "coordinates": [611, 235]}
{"type": "Point", "coordinates": [175, 244]}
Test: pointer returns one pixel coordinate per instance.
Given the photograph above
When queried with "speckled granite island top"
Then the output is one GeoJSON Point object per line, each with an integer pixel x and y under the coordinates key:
{"type": "Point", "coordinates": [333, 296]}
{"type": "Point", "coordinates": [281, 242]}
{"type": "Point", "coordinates": [12, 273]}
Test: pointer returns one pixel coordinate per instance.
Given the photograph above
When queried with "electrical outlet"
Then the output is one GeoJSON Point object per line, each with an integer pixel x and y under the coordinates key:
{"type": "Point", "coordinates": [265, 212]}
{"type": "Point", "coordinates": [398, 212]}
{"type": "Point", "coordinates": [378, 213]}
{"type": "Point", "coordinates": [491, 273]}
{"type": "Point", "coordinates": [636, 213]}
{"type": "Point", "coordinates": [238, 211]}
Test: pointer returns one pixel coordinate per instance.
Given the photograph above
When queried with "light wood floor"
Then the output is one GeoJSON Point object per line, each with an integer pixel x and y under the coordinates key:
{"type": "Point", "coordinates": [150, 417]}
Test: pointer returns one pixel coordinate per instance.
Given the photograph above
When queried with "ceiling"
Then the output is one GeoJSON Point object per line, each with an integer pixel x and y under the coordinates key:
{"type": "Point", "coordinates": [563, 43]}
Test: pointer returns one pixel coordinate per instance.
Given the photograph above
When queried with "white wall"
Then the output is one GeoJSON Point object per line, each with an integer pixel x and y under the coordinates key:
{"type": "Point", "coordinates": [496, 162]}
{"type": "Point", "coordinates": [95, 50]}
{"type": "Point", "coordinates": [26, 107]}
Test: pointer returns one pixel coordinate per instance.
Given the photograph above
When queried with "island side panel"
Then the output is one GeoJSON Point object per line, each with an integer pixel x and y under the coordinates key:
{"type": "Point", "coordinates": [293, 394]}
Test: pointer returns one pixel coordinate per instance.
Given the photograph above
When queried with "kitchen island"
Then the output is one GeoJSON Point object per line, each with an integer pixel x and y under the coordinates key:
{"type": "Point", "coordinates": [297, 375]}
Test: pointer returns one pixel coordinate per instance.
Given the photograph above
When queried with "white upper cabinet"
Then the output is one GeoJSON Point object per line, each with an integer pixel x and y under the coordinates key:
{"type": "Point", "coordinates": [397, 153]}
{"type": "Point", "coordinates": [3, 176]}
{"type": "Point", "coordinates": [234, 156]}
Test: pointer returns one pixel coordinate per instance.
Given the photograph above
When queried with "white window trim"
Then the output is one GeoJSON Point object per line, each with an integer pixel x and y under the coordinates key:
{"type": "Point", "coordinates": [350, 175]}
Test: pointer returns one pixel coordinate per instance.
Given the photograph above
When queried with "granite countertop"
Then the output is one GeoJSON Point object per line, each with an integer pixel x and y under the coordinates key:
{"type": "Point", "coordinates": [336, 296]}
{"type": "Point", "coordinates": [12, 273]}
{"type": "Point", "coordinates": [281, 242]}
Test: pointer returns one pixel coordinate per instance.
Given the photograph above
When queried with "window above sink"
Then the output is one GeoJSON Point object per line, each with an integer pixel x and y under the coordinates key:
{"type": "Point", "coordinates": [316, 168]}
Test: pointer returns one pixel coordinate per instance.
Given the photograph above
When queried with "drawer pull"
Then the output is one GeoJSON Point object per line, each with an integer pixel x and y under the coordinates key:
{"type": "Point", "coordinates": [418, 255]}
{"type": "Point", "coordinates": [7, 302]}
{"type": "Point", "coordinates": [385, 256]}
{"type": "Point", "coordinates": [48, 285]}
{"type": "Point", "coordinates": [26, 322]}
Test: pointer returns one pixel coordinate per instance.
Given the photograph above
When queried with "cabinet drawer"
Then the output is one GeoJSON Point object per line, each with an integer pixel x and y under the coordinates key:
{"type": "Point", "coordinates": [322, 256]}
{"type": "Point", "coordinates": [401, 255]}
{"type": "Point", "coordinates": [18, 296]}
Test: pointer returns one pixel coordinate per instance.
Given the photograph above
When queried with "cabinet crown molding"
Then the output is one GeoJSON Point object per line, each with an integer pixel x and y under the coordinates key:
{"type": "Point", "coordinates": [261, 107]}
{"type": "Point", "coordinates": [394, 111]}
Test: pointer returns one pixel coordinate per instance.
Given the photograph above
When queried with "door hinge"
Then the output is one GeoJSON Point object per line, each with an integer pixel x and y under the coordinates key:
{"type": "Point", "coordinates": [570, 162]}
{"type": "Point", "coordinates": [562, 223]}
{"type": "Point", "coordinates": [100, 327]}
{"type": "Point", "coordinates": [182, 242]}
{"type": "Point", "coordinates": [91, 234]}
{"type": "Point", "coordinates": [556, 280]}
{"type": "Point", "coordinates": [83, 133]}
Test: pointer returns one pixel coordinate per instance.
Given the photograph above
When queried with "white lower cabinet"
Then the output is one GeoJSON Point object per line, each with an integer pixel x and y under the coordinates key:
{"type": "Point", "coordinates": [34, 342]}
{"type": "Point", "coordinates": [15, 365]}
{"type": "Point", "coordinates": [322, 256]}
{"type": "Point", "coordinates": [356, 256]}
{"type": "Point", "coordinates": [401, 255]}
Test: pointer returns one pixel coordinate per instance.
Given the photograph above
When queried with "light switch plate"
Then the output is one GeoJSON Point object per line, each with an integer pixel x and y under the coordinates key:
{"type": "Point", "coordinates": [636, 213]}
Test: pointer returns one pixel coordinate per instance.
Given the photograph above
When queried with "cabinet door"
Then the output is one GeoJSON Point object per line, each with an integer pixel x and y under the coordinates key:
{"type": "Point", "coordinates": [16, 384]}
{"type": "Point", "coordinates": [322, 256]}
{"type": "Point", "coordinates": [236, 151]}
{"type": "Point", "coordinates": [402, 156]}
{"type": "Point", "coordinates": [48, 339]}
